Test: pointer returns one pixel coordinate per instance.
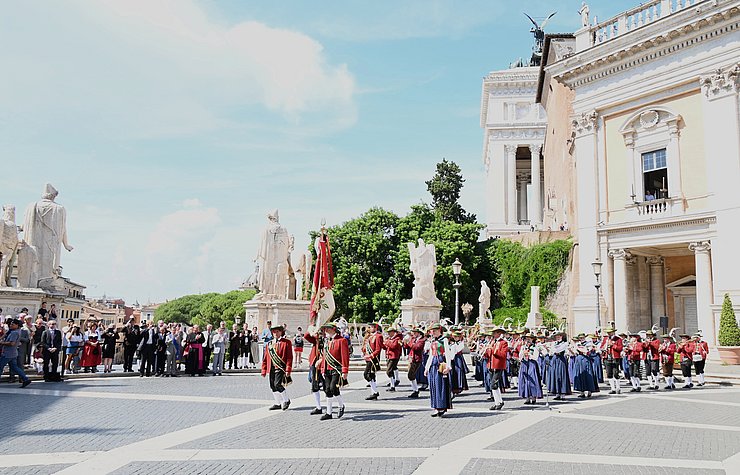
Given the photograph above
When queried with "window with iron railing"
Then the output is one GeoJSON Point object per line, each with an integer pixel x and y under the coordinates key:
{"type": "Point", "coordinates": [655, 175]}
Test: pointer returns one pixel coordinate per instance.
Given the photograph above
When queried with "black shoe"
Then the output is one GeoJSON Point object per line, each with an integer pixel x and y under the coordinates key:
{"type": "Point", "coordinates": [440, 414]}
{"type": "Point", "coordinates": [341, 412]}
{"type": "Point", "coordinates": [316, 411]}
{"type": "Point", "coordinates": [435, 414]}
{"type": "Point", "coordinates": [26, 383]}
{"type": "Point", "coordinates": [141, 375]}
{"type": "Point", "coordinates": [612, 392]}
{"type": "Point", "coordinates": [388, 385]}
{"type": "Point", "coordinates": [582, 396]}
{"type": "Point", "coordinates": [398, 382]}
{"type": "Point", "coordinates": [286, 404]}
{"type": "Point", "coordinates": [392, 390]}
{"type": "Point", "coordinates": [275, 407]}
{"type": "Point", "coordinates": [414, 395]}
{"type": "Point", "coordinates": [424, 388]}
{"type": "Point", "coordinates": [633, 390]}
{"type": "Point", "coordinates": [557, 398]}
{"type": "Point", "coordinates": [326, 417]}
{"type": "Point", "coordinates": [639, 389]}
{"type": "Point", "coordinates": [372, 397]}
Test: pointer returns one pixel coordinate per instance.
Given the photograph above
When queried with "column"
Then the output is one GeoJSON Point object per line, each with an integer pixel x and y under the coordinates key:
{"type": "Point", "coordinates": [619, 256]}
{"type": "Point", "coordinates": [536, 217]}
{"type": "Point", "coordinates": [511, 216]}
{"type": "Point", "coordinates": [495, 166]}
{"type": "Point", "coordinates": [657, 289]}
{"type": "Point", "coordinates": [585, 126]}
{"type": "Point", "coordinates": [522, 198]}
{"type": "Point", "coordinates": [704, 299]}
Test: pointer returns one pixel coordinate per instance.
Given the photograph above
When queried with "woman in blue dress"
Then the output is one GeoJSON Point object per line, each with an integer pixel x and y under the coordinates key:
{"type": "Point", "coordinates": [437, 370]}
{"type": "Point", "coordinates": [529, 385]}
{"type": "Point", "coordinates": [594, 356]}
{"type": "Point", "coordinates": [558, 380]}
{"type": "Point", "coordinates": [459, 379]}
{"type": "Point", "coordinates": [584, 380]}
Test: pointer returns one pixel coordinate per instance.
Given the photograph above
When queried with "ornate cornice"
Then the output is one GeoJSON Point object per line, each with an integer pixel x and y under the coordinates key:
{"type": "Point", "coordinates": [525, 135]}
{"type": "Point", "coordinates": [721, 82]}
{"type": "Point", "coordinates": [633, 227]}
{"type": "Point", "coordinates": [619, 254]}
{"type": "Point", "coordinates": [655, 260]}
{"type": "Point", "coordinates": [645, 45]}
{"type": "Point", "coordinates": [586, 123]}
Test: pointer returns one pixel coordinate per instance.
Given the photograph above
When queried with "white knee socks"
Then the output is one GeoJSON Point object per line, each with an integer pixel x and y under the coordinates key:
{"type": "Point", "coordinates": [329, 405]}
{"type": "Point", "coordinates": [340, 400]}
{"type": "Point", "coordinates": [373, 386]}
{"type": "Point", "coordinates": [414, 386]}
{"type": "Point", "coordinates": [497, 396]}
{"type": "Point", "coordinates": [395, 373]}
{"type": "Point", "coordinates": [700, 377]}
{"type": "Point", "coordinates": [284, 395]}
{"type": "Point", "coordinates": [276, 396]}
{"type": "Point", "coordinates": [317, 398]}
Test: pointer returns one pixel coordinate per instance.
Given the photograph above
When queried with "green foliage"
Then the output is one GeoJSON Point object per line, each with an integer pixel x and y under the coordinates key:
{"type": "Point", "coordinates": [519, 316]}
{"type": "Point", "coordinates": [203, 309]}
{"type": "Point", "coordinates": [445, 189]}
{"type": "Point", "coordinates": [522, 267]}
{"type": "Point", "coordinates": [729, 332]}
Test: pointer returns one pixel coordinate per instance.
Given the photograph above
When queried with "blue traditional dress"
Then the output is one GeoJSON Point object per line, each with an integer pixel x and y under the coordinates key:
{"type": "Point", "coordinates": [458, 375]}
{"type": "Point", "coordinates": [420, 378]}
{"type": "Point", "coordinates": [584, 379]}
{"type": "Point", "coordinates": [594, 357]}
{"type": "Point", "coordinates": [558, 379]}
{"type": "Point", "coordinates": [529, 373]}
{"type": "Point", "coordinates": [439, 384]}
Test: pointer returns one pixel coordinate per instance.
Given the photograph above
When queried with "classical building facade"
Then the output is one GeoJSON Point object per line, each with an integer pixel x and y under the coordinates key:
{"type": "Point", "coordinates": [644, 122]}
{"type": "Point", "coordinates": [514, 131]}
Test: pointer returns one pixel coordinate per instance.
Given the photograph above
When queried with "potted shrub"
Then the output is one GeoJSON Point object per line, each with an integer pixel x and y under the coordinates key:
{"type": "Point", "coordinates": [729, 334]}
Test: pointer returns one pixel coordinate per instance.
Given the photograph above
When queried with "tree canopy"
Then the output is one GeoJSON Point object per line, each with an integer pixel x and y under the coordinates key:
{"type": "Point", "coordinates": [202, 309]}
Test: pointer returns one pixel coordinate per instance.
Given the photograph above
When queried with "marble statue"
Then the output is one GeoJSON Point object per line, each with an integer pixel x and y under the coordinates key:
{"type": "Point", "coordinates": [8, 244]}
{"type": "Point", "coordinates": [584, 11]}
{"type": "Point", "coordinates": [484, 300]}
{"type": "Point", "coordinates": [424, 266]}
{"type": "Point", "coordinates": [45, 229]}
{"type": "Point", "coordinates": [274, 273]}
{"type": "Point", "coordinates": [28, 266]}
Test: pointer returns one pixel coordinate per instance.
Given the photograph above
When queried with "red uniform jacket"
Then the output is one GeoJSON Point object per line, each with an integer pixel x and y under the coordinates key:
{"type": "Point", "coordinates": [416, 349]}
{"type": "Point", "coordinates": [339, 349]}
{"type": "Point", "coordinates": [635, 351]}
{"type": "Point", "coordinates": [668, 353]}
{"type": "Point", "coordinates": [616, 348]}
{"type": "Point", "coordinates": [686, 350]}
{"type": "Point", "coordinates": [393, 347]}
{"type": "Point", "coordinates": [372, 348]}
{"type": "Point", "coordinates": [516, 345]}
{"type": "Point", "coordinates": [702, 348]}
{"type": "Point", "coordinates": [314, 355]}
{"type": "Point", "coordinates": [284, 351]}
{"type": "Point", "coordinates": [496, 354]}
{"type": "Point", "coordinates": [652, 349]}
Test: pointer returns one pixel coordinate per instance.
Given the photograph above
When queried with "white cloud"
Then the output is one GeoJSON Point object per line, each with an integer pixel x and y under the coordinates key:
{"type": "Point", "coordinates": [143, 69]}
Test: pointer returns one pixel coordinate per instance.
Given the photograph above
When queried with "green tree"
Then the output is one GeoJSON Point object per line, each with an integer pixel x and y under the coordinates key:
{"type": "Point", "coordinates": [202, 309]}
{"type": "Point", "coordinates": [181, 310]}
{"type": "Point", "coordinates": [729, 333]}
{"type": "Point", "coordinates": [445, 187]}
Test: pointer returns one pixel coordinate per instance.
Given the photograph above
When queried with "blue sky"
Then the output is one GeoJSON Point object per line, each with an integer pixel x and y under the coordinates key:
{"type": "Point", "coordinates": [171, 128]}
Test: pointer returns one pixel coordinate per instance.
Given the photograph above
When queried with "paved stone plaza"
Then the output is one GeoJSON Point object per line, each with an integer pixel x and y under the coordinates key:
{"type": "Point", "coordinates": [222, 426]}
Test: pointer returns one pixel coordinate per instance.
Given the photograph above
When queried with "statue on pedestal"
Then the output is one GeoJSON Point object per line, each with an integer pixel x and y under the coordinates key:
{"type": "Point", "coordinates": [424, 266]}
{"type": "Point", "coordinates": [45, 229]}
{"type": "Point", "coordinates": [584, 11]}
{"type": "Point", "coordinates": [28, 266]}
{"type": "Point", "coordinates": [8, 244]}
{"type": "Point", "coordinates": [274, 272]}
{"type": "Point", "coordinates": [484, 301]}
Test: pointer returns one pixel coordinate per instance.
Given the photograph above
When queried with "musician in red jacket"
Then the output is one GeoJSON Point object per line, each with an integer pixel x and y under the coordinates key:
{"type": "Point", "coordinates": [415, 343]}
{"type": "Point", "coordinates": [635, 354]}
{"type": "Point", "coordinates": [667, 357]}
{"type": "Point", "coordinates": [701, 351]}
{"type": "Point", "coordinates": [372, 345]}
{"type": "Point", "coordinates": [314, 375]}
{"type": "Point", "coordinates": [393, 349]}
{"type": "Point", "coordinates": [652, 359]}
{"type": "Point", "coordinates": [334, 365]}
{"type": "Point", "coordinates": [686, 349]}
{"type": "Point", "coordinates": [278, 363]}
{"type": "Point", "coordinates": [496, 355]}
{"type": "Point", "coordinates": [614, 347]}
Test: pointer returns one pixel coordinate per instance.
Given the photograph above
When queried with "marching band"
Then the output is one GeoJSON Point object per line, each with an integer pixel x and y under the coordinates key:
{"type": "Point", "coordinates": [536, 363]}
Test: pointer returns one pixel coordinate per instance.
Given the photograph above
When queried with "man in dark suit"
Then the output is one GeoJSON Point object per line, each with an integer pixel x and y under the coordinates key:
{"type": "Point", "coordinates": [51, 342]}
{"type": "Point", "coordinates": [130, 342]}
{"type": "Point", "coordinates": [147, 347]}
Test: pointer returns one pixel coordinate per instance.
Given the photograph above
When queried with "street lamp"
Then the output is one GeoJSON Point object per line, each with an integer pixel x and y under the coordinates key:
{"type": "Point", "coordinates": [597, 272]}
{"type": "Point", "coordinates": [237, 319]}
{"type": "Point", "coordinates": [456, 269]}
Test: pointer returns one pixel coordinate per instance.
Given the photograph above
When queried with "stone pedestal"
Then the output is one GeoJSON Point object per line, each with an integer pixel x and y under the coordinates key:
{"type": "Point", "coordinates": [294, 313]}
{"type": "Point", "coordinates": [13, 299]}
{"type": "Point", "coordinates": [414, 312]}
{"type": "Point", "coordinates": [534, 317]}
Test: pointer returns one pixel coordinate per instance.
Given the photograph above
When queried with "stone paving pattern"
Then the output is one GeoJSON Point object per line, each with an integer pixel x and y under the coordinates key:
{"type": "Point", "coordinates": [33, 469]}
{"type": "Point", "coordinates": [559, 435]}
{"type": "Point", "coordinates": [362, 466]}
{"type": "Point", "coordinates": [358, 428]}
{"type": "Point", "coordinates": [85, 424]}
{"type": "Point", "coordinates": [526, 467]}
{"type": "Point", "coordinates": [675, 411]}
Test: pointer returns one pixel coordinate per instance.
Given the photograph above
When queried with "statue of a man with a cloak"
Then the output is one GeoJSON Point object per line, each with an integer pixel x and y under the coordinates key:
{"type": "Point", "coordinates": [45, 229]}
{"type": "Point", "coordinates": [274, 274]}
